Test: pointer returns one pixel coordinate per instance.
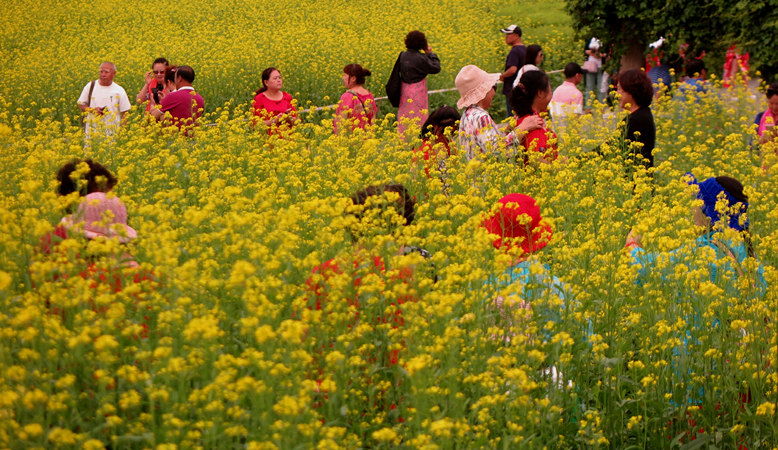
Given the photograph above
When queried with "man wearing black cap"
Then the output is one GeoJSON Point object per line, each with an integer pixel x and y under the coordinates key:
{"type": "Point", "coordinates": [514, 60]}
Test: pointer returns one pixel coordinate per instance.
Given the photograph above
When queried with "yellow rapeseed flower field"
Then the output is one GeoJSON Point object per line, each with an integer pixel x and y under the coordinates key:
{"type": "Point", "coordinates": [268, 312]}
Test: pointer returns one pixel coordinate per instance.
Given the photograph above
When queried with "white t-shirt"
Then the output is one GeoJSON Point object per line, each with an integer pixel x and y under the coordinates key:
{"type": "Point", "coordinates": [112, 97]}
{"type": "Point", "coordinates": [524, 68]}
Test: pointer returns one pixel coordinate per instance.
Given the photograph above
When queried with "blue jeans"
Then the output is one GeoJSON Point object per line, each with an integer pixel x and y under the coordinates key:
{"type": "Point", "coordinates": [508, 108]}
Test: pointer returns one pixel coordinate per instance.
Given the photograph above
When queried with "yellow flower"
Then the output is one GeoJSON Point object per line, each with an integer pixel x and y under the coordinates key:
{"type": "Point", "coordinates": [264, 333]}
{"type": "Point", "coordinates": [766, 409]}
{"type": "Point", "coordinates": [61, 436]}
{"type": "Point", "coordinates": [5, 280]}
{"type": "Point", "coordinates": [33, 430]}
{"type": "Point", "coordinates": [385, 434]}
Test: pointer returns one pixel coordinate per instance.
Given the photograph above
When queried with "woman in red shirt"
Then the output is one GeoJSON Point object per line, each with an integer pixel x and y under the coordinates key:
{"type": "Point", "coordinates": [272, 106]}
{"type": "Point", "coordinates": [155, 83]}
{"type": "Point", "coordinates": [357, 107]}
{"type": "Point", "coordinates": [530, 98]}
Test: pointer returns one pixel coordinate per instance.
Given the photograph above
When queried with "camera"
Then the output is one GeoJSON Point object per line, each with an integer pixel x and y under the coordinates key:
{"type": "Point", "coordinates": [155, 90]}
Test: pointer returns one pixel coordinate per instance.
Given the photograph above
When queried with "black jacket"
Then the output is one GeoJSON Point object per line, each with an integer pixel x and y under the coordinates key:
{"type": "Point", "coordinates": [415, 66]}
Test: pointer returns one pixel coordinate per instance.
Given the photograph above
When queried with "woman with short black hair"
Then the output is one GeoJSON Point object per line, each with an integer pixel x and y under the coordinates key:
{"type": "Point", "coordinates": [637, 130]}
{"type": "Point", "coordinates": [414, 68]}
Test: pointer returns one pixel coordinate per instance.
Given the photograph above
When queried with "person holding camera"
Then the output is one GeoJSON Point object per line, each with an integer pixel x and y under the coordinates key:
{"type": "Point", "coordinates": [184, 106]}
{"type": "Point", "coordinates": [414, 68]}
{"type": "Point", "coordinates": [155, 83]}
{"type": "Point", "coordinates": [104, 103]}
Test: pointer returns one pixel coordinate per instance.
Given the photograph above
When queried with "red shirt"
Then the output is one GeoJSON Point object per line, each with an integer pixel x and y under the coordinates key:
{"type": "Point", "coordinates": [541, 140]}
{"type": "Point", "coordinates": [267, 108]}
{"type": "Point", "coordinates": [184, 105]}
{"type": "Point", "coordinates": [426, 147]}
{"type": "Point", "coordinates": [357, 109]}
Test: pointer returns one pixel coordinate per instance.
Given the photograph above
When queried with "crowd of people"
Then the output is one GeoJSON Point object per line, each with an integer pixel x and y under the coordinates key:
{"type": "Point", "coordinates": [168, 96]}
{"type": "Point", "coordinates": [527, 138]}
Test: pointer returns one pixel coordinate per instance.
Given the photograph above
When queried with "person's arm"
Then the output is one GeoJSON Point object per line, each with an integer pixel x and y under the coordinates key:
{"type": "Point", "coordinates": [531, 123]}
{"type": "Point", "coordinates": [432, 60]}
{"type": "Point", "coordinates": [124, 106]}
{"type": "Point", "coordinates": [144, 91]}
{"type": "Point", "coordinates": [509, 72]}
{"type": "Point", "coordinates": [342, 111]}
{"type": "Point", "coordinates": [513, 62]}
{"type": "Point", "coordinates": [90, 109]}
{"type": "Point", "coordinates": [157, 111]}
{"type": "Point", "coordinates": [261, 110]}
{"type": "Point", "coordinates": [491, 137]}
{"type": "Point", "coordinates": [292, 115]}
{"type": "Point", "coordinates": [84, 101]}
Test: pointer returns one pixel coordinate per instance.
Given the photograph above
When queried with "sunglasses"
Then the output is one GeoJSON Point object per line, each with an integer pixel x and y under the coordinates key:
{"type": "Point", "coordinates": [159, 72]}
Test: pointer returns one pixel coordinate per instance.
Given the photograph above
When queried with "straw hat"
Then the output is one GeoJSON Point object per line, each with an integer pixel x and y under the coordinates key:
{"type": "Point", "coordinates": [473, 84]}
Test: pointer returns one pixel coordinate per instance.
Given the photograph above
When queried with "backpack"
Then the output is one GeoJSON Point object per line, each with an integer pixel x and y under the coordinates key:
{"type": "Point", "coordinates": [394, 85]}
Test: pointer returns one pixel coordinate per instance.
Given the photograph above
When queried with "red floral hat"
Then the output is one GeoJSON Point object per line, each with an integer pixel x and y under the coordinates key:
{"type": "Point", "coordinates": [518, 222]}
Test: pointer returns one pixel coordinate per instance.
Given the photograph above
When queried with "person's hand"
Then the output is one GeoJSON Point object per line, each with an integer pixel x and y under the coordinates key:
{"type": "Point", "coordinates": [161, 94]}
{"type": "Point", "coordinates": [530, 123]}
{"type": "Point", "coordinates": [428, 50]}
{"type": "Point", "coordinates": [149, 76]}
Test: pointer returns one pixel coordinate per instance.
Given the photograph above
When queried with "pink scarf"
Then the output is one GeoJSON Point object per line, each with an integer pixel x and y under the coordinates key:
{"type": "Point", "coordinates": [760, 131]}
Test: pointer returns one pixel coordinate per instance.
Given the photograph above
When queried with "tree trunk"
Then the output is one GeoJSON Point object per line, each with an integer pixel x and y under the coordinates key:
{"type": "Point", "coordinates": [633, 58]}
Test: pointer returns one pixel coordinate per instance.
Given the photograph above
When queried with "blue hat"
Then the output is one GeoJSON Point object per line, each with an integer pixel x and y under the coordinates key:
{"type": "Point", "coordinates": [709, 193]}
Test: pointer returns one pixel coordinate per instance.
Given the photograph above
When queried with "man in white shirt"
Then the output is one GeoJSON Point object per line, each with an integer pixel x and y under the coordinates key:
{"type": "Point", "coordinates": [104, 102]}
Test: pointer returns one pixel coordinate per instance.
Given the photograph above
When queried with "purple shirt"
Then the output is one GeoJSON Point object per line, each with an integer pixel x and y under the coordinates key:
{"type": "Point", "coordinates": [183, 105]}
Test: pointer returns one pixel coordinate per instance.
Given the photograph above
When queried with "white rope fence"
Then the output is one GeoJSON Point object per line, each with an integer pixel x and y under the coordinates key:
{"type": "Point", "coordinates": [377, 99]}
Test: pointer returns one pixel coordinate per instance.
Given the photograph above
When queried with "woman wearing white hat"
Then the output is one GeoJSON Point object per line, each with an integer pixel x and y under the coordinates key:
{"type": "Point", "coordinates": [478, 132]}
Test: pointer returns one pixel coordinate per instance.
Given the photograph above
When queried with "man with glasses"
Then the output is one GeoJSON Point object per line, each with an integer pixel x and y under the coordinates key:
{"type": "Point", "coordinates": [104, 103]}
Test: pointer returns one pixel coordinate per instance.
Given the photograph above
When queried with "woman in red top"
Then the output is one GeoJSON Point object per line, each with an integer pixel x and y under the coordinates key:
{"type": "Point", "coordinates": [357, 105]}
{"type": "Point", "coordinates": [530, 98]}
{"type": "Point", "coordinates": [273, 106]}
{"type": "Point", "coordinates": [155, 83]}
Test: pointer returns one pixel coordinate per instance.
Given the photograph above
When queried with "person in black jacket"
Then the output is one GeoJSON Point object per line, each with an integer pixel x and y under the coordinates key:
{"type": "Point", "coordinates": [637, 132]}
{"type": "Point", "coordinates": [414, 68]}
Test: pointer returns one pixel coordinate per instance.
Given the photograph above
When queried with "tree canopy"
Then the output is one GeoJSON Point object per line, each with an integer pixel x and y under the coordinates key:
{"type": "Point", "coordinates": [626, 28]}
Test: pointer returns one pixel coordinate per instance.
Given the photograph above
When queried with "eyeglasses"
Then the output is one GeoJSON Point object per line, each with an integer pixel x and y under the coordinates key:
{"type": "Point", "coordinates": [159, 72]}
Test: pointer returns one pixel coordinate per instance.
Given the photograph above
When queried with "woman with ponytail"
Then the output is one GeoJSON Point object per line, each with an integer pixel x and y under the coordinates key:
{"type": "Point", "coordinates": [529, 98]}
{"type": "Point", "coordinates": [357, 107]}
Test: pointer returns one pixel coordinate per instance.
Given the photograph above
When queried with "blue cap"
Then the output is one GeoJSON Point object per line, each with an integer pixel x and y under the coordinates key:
{"type": "Point", "coordinates": [709, 193]}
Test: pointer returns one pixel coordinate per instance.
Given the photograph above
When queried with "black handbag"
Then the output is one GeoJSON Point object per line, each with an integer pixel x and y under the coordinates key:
{"type": "Point", "coordinates": [394, 85]}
